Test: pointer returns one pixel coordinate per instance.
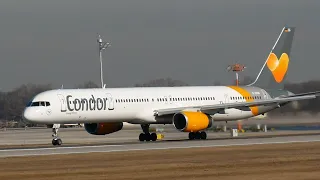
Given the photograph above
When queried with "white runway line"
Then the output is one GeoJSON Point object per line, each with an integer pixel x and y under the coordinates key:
{"type": "Point", "coordinates": [87, 149]}
{"type": "Point", "coordinates": [57, 148]}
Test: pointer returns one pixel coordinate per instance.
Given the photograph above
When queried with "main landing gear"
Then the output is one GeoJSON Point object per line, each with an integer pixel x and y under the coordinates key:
{"type": "Point", "coordinates": [146, 136]}
{"type": "Point", "coordinates": [197, 135]}
{"type": "Point", "coordinates": [56, 140]}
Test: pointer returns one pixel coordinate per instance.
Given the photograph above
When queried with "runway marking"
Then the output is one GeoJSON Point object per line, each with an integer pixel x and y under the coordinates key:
{"type": "Point", "coordinates": [151, 148]}
{"type": "Point", "coordinates": [57, 148]}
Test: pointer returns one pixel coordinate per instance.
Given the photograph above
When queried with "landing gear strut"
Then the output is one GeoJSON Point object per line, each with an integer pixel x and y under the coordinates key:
{"type": "Point", "coordinates": [146, 136]}
{"type": "Point", "coordinates": [197, 135]}
{"type": "Point", "coordinates": [56, 140]}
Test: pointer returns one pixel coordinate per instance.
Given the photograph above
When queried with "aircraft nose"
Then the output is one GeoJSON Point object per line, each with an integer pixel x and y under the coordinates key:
{"type": "Point", "coordinates": [26, 116]}
{"type": "Point", "coordinates": [29, 115]}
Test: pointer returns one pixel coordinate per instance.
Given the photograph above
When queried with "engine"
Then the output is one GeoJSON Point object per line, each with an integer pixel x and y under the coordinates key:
{"type": "Point", "coordinates": [103, 128]}
{"type": "Point", "coordinates": [192, 121]}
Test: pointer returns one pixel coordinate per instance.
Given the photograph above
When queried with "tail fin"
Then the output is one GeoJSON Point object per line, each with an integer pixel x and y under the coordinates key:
{"type": "Point", "coordinates": [274, 70]}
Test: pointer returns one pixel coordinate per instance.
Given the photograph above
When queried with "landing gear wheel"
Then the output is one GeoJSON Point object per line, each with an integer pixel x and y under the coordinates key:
{"type": "Point", "coordinates": [56, 142]}
{"type": "Point", "coordinates": [203, 135]}
{"type": "Point", "coordinates": [142, 137]}
{"type": "Point", "coordinates": [59, 142]}
{"type": "Point", "coordinates": [146, 136]}
{"type": "Point", "coordinates": [153, 136]}
{"type": "Point", "coordinates": [197, 135]}
{"type": "Point", "coordinates": [192, 135]}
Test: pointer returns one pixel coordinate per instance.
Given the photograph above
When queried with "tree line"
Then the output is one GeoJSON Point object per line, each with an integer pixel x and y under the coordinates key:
{"type": "Point", "coordinates": [13, 102]}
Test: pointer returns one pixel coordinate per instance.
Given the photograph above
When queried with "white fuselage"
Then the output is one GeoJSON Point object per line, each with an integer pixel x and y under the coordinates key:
{"type": "Point", "coordinates": [133, 105]}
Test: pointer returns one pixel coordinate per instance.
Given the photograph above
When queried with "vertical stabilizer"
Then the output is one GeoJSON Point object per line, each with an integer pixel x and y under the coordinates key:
{"type": "Point", "coordinates": [275, 68]}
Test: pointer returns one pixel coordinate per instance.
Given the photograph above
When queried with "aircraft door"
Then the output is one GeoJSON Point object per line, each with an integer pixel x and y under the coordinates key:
{"type": "Point", "coordinates": [170, 99]}
{"type": "Point", "coordinates": [62, 102]}
{"type": "Point", "coordinates": [110, 102]}
{"type": "Point", "coordinates": [226, 99]}
{"type": "Point", "coordinates": [166, 100]}
{"type": "Point", "coordinates": [264, 94]}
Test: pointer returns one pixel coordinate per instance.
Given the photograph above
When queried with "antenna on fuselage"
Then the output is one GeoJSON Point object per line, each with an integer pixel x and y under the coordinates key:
{"type": "Point", "coordinates": [102, 46]}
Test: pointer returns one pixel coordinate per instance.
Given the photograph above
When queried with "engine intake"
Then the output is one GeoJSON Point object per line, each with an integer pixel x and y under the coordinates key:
{"type": "Point", "coordinates": [192, 121]}
{"type": "Point", "coordinates": [103, 128]}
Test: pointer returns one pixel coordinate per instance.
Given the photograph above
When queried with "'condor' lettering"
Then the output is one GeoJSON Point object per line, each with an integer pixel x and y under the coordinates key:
{"type": "Point", "coordinates": [85, 104]}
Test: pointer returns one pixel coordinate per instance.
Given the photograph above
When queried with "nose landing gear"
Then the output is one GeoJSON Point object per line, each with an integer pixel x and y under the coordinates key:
{"type": "Point", "coordinates": [56, 140]}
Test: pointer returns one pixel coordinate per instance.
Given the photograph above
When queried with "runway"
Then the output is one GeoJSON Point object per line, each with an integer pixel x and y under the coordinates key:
{"type": "Point", "coordinates": [178, 144]}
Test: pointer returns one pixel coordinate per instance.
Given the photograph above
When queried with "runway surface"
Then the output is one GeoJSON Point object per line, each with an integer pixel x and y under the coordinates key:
{"type": "Point", "coordinates": [75, 136]}
{"type": "Point", "coordinates": [156, 145]}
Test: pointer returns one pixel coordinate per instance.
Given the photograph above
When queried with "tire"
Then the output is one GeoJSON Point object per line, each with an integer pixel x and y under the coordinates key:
{"type": "Point", "coordinates": [153, 136]}
{"type": "Point", "coordinates": [203, 135]}
{"type": "Point", "coordinates": [59, 142]}
{"type": "Point", "coordinates": [191, 135]}
{"type": "Point", "coordinates": [142, 137]}
{"type": "Point", "coordinates": [54, 142]}
{"type": "Point", "coordinates": [148, 137]}
{"type": "Point", "coordinates": [197, 136]}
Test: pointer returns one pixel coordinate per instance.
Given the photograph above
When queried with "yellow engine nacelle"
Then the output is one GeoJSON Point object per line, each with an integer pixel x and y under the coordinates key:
{"type": "Point", "coordinates": [103, 128]}
{"type": "Point", "coordinates": [192, 121]}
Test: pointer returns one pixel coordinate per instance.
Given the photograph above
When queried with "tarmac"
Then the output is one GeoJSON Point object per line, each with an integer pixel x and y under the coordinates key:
{"type": "Point", "coordinates": [280, 154]}
{"type": "Point", "coordinates": [20, 142]}
{"type": "Point", "coordinates": [178, 144]}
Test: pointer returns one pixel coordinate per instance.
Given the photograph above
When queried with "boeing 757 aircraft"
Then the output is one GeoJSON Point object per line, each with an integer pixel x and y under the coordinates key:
{"type": "Point", "coordinates": [190, 109]}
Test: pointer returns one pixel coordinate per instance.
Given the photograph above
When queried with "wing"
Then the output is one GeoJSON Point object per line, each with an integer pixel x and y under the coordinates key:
{"type": "Point", "coordinates": [275, 101]}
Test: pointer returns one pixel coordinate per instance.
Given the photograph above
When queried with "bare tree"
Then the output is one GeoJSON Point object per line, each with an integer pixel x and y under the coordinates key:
{"type": "Point", "coordinates": [12, 103]}
{"type": "Point", "coordinates": [88, 84]}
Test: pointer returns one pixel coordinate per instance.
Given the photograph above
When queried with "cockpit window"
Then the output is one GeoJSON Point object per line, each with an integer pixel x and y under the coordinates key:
{"type": "Point", "coordinates": [35, 104]}
{"type": "Point", "coordinates": [29, 103]}
{"type": "Point", "coordinates": [38, 103]}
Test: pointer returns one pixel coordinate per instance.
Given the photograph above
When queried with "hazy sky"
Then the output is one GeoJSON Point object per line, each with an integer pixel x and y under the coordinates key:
{"type": "Point", "coordinates": [54, 41]}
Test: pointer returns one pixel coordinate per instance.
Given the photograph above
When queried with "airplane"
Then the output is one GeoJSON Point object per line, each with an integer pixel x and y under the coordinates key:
{"type": "Point", "coordinates": [191, 109]}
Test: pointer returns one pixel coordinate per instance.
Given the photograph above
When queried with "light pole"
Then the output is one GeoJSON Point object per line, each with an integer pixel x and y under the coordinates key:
{"type": "Point", "coordinates": [236, 68]}
{"type": "Point", "coordinates": [102, 46]}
